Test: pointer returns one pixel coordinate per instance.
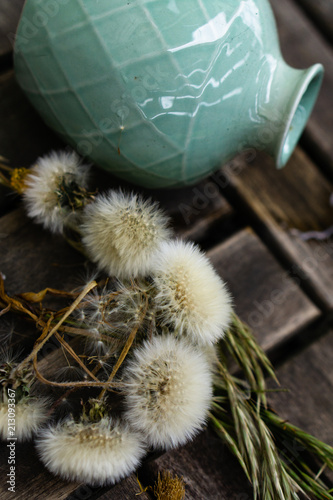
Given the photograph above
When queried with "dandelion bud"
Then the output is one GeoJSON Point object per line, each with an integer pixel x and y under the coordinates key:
{"type": "Point", "coordinates": [97, 453]}
{"type": "Point", "coordinates": [121, 233]}
{"type": "Point", "coordinates": [55, 188]}
{"type": "Point", "coordinates": [168, 389]}
{"type": "Point", "coordinates": [191, 296]}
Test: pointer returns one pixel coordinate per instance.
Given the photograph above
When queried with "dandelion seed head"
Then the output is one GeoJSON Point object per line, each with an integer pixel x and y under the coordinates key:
{"type": "Point", "coordinates": [121, 232]}
{"type": "Point", "coordinates": [168, 389]}
{"type": "Point", "coordinates": [44, 188]}
{"type": "Point", "coordinates": [97, 453]}
{"type": "Point", "coordinates": [30, 415]}
{"type": "Point", "coordinates": [190, 294]}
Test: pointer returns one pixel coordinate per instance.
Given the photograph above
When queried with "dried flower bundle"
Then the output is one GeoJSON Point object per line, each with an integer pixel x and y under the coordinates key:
{"type": "Point", "coordinates": [150, 340]}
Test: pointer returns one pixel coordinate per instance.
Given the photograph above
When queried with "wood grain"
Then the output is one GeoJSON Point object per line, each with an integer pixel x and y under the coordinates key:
{"type": "Point", "coordinates": [284, 204]}
{"type": "Point", "coordinates": [209, 470]}
{"type": "Point", "coordinates": [309, 378]}
{"type": "Point", "coordinates": [308, 404]}
{"type": "Point", "coordinates": [302, 45]}
{"type": "Point", "coordinates": [320, 12]}
{"type": "Point", "coordinates": [36, 269]}
{"type": "Point", "coordinates": [123, 491]}
{"type": "Point", "coordinates": [264, 296]}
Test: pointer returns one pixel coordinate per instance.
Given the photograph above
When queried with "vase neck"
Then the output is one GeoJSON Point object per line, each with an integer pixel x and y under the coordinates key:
{"type": "Point", "coordinates": [292, 96]}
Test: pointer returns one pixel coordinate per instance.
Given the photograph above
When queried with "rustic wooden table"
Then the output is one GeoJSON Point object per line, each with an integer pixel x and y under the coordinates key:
{"type": "Point", "coordinates": [250, 221]}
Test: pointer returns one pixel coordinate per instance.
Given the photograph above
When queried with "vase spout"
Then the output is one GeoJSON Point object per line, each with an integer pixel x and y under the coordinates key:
{"type": "Point", "coordinates": [294, 94]}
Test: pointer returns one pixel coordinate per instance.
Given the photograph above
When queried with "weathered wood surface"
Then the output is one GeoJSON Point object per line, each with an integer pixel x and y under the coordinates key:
{"type": "Point", "coordinates": [308, 404]}
{"type": "Point", "coordinates": [284, 205]}
{"type": "Point", "coordinates": [263, 293]}
{"type": "Point", "coordinates": [208, 469]}
{"type": "Point", "coordinates": [255, 278]}
{"type": "Point", "coordinates": [10, 12]}
{"type": "Point", "coordinates": [258, 264]}
{"type": "Point", "coordinates": [302, 45]}
{"type": "Point", "coordinates": [308, 376]}
{"type": "Point", "coordinates": [126, 489]}
{"type": "Point", "coordinates": [321, 12]}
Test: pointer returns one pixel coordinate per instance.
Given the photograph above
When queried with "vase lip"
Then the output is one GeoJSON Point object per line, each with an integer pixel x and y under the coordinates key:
{"type": "Point", "coordinates": [304, 100]}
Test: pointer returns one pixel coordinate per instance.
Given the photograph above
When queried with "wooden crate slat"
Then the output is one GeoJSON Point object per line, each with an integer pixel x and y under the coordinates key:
{"type": "Point", "coordinates": [286, 203]}
{"type": "Point", "coordinates": [309, 378]}
{"type": "Point", "coordinates": [10, 12]}
{"type": "Point", "coordinates": [302, 45]}
{"type": "Point", "coordinates": [308, 404]}
{"type": "Point", "coordinates": [243, 260]}
{"type": "Point", "coordinates": [320, 11]}
{"type": "Point", "coordinates": [264, 296]}
{"type": "Point", "coordinates": [209, 470]}
{"type": "Point", "coordinates": [125, 490]}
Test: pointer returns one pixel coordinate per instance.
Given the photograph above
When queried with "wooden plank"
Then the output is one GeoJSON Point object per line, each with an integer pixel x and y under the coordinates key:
{"type": "Point", "coordinates": [309, 378]}
{"type": "Point", "coordinates": [284, 204]}
{"type": "Point", "coordinates": [321, 12]}
{"type": "Point", "coordinates": [10, 12]}
{"type": "Point", "coordinates": [36, 267]}
{"type": "Point", "coordinates": [308, 404]}
{"type": "Point", "coordinates": [302, 45]}
{"type": "Point", "coordinates": [264, 295]}
{"type": "Point", "coordinates": [209, 470]}
{"type": "Point", "coordinates": [243, 260]}
{"type": "Point", "coordinates": [125, 490]}
{"type": "Point", "coordinates": [31, 259]}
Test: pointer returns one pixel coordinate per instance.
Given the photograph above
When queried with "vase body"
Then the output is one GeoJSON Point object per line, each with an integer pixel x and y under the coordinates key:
{"type": "Point", "coordinates": [161, 93]}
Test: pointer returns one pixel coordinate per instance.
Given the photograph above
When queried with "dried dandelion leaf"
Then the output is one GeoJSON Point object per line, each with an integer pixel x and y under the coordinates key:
{"type": "Point", "coordinates": [169, 487]}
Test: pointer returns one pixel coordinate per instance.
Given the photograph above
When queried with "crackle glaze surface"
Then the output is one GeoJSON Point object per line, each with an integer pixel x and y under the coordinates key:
{"type": "Point", "coordinates": [159, 93]}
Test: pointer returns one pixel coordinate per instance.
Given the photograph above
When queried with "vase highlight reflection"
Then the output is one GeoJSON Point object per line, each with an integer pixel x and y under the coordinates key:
{"type": "Point", "coordinates": [161, 93]}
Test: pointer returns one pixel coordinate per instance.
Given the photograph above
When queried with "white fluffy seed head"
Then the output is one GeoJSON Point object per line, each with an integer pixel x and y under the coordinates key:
{"type": "Point", "coordinates": [28, 417]}
{"type": "Point", "coordinates": [42, 188]}
{"type": "Point", "coordinates": [121, 232]}
{"type": "Point", "coordinates": [168, 390]}
{"type": "Point", "coordinates": [190, 294]}
{"type": "Point", "coordinates": [96, 453]}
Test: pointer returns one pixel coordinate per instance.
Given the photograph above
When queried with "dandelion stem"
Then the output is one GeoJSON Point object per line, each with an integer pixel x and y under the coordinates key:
{"type": "Point", "coordinates": [75, 356]}
{"type": "Point", "coordinates": [126, 349]}
{"type": "Point", "coordinates": [41, 341]}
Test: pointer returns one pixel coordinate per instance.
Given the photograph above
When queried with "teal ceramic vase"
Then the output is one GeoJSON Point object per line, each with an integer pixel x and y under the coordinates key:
{"type": "Point", "coordinates": [162, 92]}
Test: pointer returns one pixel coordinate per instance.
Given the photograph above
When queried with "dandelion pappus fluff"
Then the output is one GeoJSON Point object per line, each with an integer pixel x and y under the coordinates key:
{"type": "Point", "coordinates": [19, 405]}
{"type": "Point", "coordinates": [121, 232]}
{"type": "Point", "coordinates": [168, 389]}
{"type": "Point", "coordinates": [28, 416]}
{"type": "Point", "coordinates": [97, 453]}
{"type": "Point", "coordinates": [53, 187]}
{"type": "Point", "coordinates": [191, 296]}
{"type": "Point", "coordinates": [110, 312]}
